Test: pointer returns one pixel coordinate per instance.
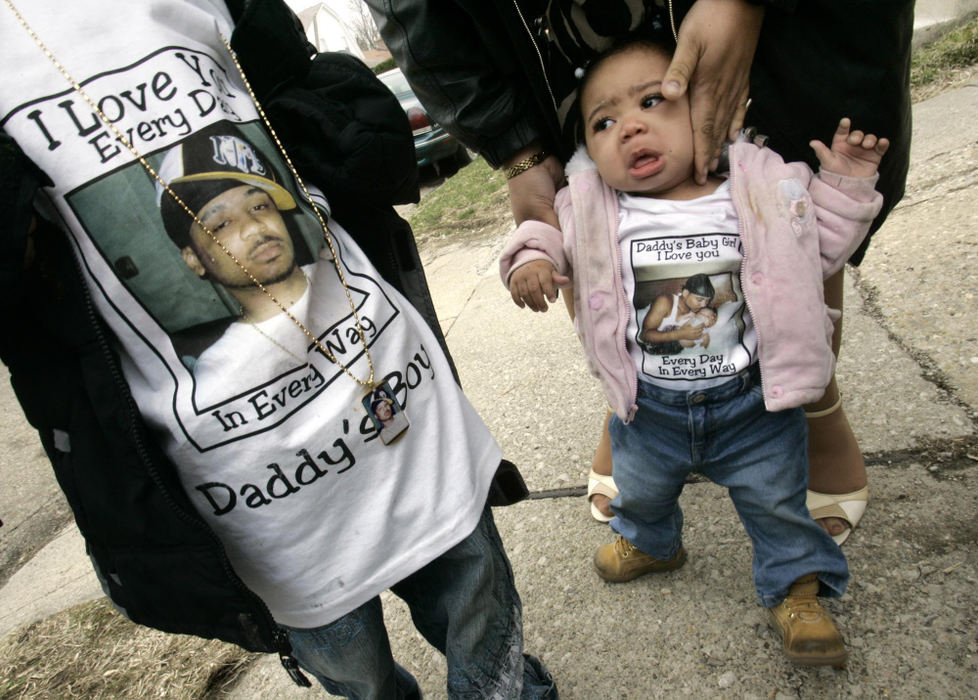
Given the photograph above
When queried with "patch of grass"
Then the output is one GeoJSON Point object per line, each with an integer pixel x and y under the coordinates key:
{"type": "Point", "coordinates": [90, 651]}
{"type": "Point", "coordinates": [468, 202]}
{"type": "Point", "coordinates": [945, 62]}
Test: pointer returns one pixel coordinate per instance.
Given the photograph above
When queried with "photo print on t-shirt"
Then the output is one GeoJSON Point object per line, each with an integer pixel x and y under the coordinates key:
{"type": "Point", "coordinates": [238, 360]}
{"type": "Point", "coordinates": [689, 307]}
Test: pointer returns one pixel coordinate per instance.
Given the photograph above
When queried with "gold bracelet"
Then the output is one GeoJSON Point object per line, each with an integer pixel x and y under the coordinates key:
{"type": "Point", "coordinates": [525, 164]}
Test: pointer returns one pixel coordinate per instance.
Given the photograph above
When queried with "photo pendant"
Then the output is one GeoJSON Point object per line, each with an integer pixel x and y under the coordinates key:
{"type": "Point", "coordinates": [388, 417]}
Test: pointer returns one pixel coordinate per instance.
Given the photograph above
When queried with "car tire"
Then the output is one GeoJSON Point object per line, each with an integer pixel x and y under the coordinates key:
{"type": "Point", "coordinates": [451, 165]}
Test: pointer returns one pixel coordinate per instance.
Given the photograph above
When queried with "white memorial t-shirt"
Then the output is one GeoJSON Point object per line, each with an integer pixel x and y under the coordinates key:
{"type": "Point", "coordinates": [272, 441]}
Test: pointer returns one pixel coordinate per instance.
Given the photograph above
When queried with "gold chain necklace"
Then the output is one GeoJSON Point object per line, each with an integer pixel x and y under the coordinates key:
{"type": "Point", "coordinates": [369, 382]}
{"type": "Point", "coordinates": [276, 343]}
{"type": "Point", "coordinates": [379, 393]}
{"type": "Point", "coordinates": [271, 339]}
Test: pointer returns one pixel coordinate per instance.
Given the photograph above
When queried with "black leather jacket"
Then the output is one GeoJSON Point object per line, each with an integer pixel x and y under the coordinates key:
{"type": "Point", "coordinates": [159, 562]}
{"type": "Point", "coordinates": [495, 72]}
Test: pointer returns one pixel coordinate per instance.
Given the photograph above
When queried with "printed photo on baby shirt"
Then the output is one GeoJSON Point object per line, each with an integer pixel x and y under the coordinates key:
{"type": "Point", "coordinates": [689, 327]}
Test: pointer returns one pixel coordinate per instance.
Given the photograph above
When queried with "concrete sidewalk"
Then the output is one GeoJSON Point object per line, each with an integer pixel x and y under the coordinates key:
{"type": "Point", "coordinates": [909, 374]}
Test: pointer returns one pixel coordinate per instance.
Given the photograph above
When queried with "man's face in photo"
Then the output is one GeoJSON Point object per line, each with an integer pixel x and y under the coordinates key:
{"type": "Point", "coordinates": [695, 302]}
{"type": "Point", "coordinates": [384, 412]}
{"type": "Point", "coordinates": [247, 222]}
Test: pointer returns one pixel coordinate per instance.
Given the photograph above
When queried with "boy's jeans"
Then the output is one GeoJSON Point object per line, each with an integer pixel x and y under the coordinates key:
{"type": "Point", "coordinates": [725, 434]}
{"type": "Point", "coordinates": [464, 603]}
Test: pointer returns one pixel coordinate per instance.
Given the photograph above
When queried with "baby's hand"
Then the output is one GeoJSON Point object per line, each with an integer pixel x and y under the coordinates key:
{"type": "Point", "coordinates": [534, 284]}
{"type": "Point", "coordinates": [688, 331]}
{"type": "Point", "coordinates": [853, 153]}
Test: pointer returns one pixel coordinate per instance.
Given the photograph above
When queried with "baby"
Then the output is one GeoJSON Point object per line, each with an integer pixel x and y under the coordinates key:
{"type": "Point", "coordinates": [634, 221]}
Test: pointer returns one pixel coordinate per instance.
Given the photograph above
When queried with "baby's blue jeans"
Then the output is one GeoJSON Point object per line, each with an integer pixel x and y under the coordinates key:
{"type": "Point", "coordinates": [725, 434]}
{"type": "Point", "coordinates": [464, 603]}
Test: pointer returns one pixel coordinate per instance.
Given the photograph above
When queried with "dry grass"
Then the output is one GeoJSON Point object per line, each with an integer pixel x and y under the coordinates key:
{"type": "Point", "coordinates": [90, 651]}
{"type": "Point", "coordinates": [946, 63]}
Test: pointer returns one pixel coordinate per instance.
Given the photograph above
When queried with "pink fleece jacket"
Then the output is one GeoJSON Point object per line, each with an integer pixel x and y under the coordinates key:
{"type": "Point", "coordinates": [797, 228]}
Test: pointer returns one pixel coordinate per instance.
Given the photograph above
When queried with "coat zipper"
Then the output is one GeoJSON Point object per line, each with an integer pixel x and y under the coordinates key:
{"type": "Point", "coordinates": [672, 22]}
{"type": "Point", "coordinates": [279, 637]}
{"type": "Point", "coordinates": [536, 48]}
{"type": "Point", "coordinates": [741, 231]}
{"type": "Point", "coordinates": [623, 302]}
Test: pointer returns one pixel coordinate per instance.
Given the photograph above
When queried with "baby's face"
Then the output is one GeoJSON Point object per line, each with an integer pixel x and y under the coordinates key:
{"type": "Point", "coordinates": [641, 142]}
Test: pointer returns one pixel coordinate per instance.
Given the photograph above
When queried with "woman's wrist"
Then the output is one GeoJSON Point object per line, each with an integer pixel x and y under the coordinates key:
{"type": "Point", "coordinates": [531, 151]}
{"type": "Point", "coordinates": [522, 166]}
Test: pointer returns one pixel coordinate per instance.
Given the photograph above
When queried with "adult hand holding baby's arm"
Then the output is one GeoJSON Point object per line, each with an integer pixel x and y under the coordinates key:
{"type": "Point", "coordinates": [853, 153]}
{"type": "Point", "coordinates": [534, 284]}
{"type": "Point", "coordinates": [531, 193]}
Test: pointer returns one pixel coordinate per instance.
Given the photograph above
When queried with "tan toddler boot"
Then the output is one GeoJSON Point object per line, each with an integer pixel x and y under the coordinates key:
{"type": "Point", "coordinates": [621, 561]}
{"type": "Point", "coordinates": [810, 637]}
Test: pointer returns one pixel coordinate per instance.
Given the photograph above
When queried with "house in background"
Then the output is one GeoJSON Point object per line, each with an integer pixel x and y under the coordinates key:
{"type": "Point", "coordinates": [327, 31]}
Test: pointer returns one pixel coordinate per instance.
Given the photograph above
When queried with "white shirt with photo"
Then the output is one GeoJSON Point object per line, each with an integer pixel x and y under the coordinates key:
{"type": "Point", "coordinates": [663, 243]}
{"type": "Point", "coordinates": [278, 456]}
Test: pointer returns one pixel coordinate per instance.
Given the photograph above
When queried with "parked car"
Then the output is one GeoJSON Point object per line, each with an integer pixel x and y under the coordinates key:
{"type": "Point", "coordinates": [432, 144]}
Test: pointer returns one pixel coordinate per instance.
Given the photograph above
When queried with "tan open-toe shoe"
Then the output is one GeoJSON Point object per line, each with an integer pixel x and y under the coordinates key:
{"type": "Point", "coordinates": [848, 507]}
{"type": "Point", "coordinates": [844, 506]}
{"type": "Point", "coordinates": [604, 485]}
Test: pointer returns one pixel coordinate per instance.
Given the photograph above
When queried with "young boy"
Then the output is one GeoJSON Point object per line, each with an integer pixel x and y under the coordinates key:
{"type": "Point", "coordinates": [635, 224]}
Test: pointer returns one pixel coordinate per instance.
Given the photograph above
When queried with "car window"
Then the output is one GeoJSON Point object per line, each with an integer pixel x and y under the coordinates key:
{"type": "Point", "coordinates": [396, 81]}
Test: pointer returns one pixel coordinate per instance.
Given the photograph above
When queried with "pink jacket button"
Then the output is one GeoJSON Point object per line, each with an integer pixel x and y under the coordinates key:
{"type": "Point", "coordinates": [596, 301]}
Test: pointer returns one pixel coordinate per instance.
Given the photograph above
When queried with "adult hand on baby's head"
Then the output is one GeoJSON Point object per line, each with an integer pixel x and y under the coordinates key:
{"type": "Point", "coordinates": [712, 61]}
